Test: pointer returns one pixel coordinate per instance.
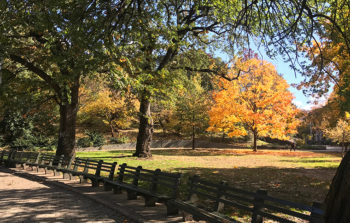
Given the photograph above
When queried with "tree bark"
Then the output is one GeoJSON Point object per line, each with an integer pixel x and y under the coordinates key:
{"type": "Point", "coordinates": [144, 137]}
{"type": "Point", "coordinates": [255, 133]}
{"type": "Point", "coordinates": [193, 133]}
{"type": "Point", "coordinates": [68, 117]}
{"type": "Point", "coordinates": [338, 197]}
{"type": "Point", "coordinates": [193, 138]}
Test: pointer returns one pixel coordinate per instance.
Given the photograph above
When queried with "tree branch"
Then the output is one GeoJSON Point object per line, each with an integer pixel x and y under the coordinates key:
{"type": "Point", "coordinates": [215, 72]}
{"type": "Point", "coordinates": [31, 67]}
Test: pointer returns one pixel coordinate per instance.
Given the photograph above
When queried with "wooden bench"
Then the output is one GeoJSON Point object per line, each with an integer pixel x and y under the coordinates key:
{"type": "Point", "coordinates": [4, 156]}
{"type": "Point", "coordinates": [208, 201]}
{"type": "Point", "coordinates": [33, 160]}
{"type": "Point", "coordinates": [51, 162]}
{"type": "Point", "coordinates": [153, 185]}
{"type": "Point", "coordinates": [9, 158]}
{"type": "Point", "coordinates": [90, 169]}
{"type": "Point", "coordinates": [23, 158]}
{"type": "Point", "coordinates": [44, 161]}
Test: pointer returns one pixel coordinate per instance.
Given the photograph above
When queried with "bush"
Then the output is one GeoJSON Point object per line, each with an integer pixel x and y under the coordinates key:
{"type": "Point", "coordinates": [22, 143]}
{"type": "Point", "coordinates": [84, 142]}
{"type": "Point", "coordinates": [92, 139]}
{"type": "Point", "coordinates": [119, 140]}
{"type": "Point", "coordinates": [96, 138]}
{"type": "Point", "coordinates": [299, 142]}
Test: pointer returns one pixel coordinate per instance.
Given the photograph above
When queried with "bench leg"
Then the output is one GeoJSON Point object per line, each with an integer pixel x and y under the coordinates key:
{"type": "Point", "coordinates": [95, 183]}
{"type": "Point", "coordinates": [67, 176]}
{"type": "Point", "coordinates": [187, 216]}
{"type": "Point", "coordinates": [150, 201]}
{"type": "Point", "coordinates": [171, 209]}
{"type": "Point", "coordinates": [83, 179]}
{"type": "Point", "coordinates": [132, 195]}
{"type": "Point", "coordinates": [107, 186]}
{"type": "Point", "coordinates": [56, 173]}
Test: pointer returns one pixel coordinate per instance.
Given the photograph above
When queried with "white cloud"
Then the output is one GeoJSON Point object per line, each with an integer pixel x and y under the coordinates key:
{"type": "Point", "coordinates": [303, 105]}
{"type": "Point", "coordinates": [298, 103]}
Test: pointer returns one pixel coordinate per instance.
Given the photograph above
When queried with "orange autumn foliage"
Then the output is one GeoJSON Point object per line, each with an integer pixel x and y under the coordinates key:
{"type": "Point", "coordinates": [259, 101]}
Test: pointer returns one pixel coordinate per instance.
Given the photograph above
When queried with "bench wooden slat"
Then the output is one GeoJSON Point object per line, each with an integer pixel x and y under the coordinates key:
{"type": "Point", "coordinates": [286, 211]}
{"type": "Point", "coordinates": [147, 183]}
{"type": "Point", "coordinates": [259, 204]}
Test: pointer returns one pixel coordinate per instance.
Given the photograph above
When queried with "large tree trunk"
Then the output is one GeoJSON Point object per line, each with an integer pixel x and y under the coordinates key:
{"type": "Point", "coordinates": [338, 197]}
{"type": "Point", "coordinates": [193, 133]}
{"type": "Point", "coordinates": [255, 147]}
{"type": "Point", "coordinates": [144, 137]}
{"type": "Point", "coordinates": [68, 116]}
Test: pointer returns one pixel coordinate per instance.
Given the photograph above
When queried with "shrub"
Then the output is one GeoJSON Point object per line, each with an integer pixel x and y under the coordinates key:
{"type": "Point", "coordinates": [84, 142]}
{"type": "Point", "coordinates": [96, 138]}
{"type": "Point", "coordinates": [299, 142]}
{"type": "Point", "coordinates": [119, 140]}
{"type": "Point", "coordinates": [22, 143]}
{"type": "Point", "coordinates": [92, 139]}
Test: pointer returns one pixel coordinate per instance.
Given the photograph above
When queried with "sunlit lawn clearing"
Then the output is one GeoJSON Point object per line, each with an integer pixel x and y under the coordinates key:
{"type": "Point", "coordinates": [297, 176]}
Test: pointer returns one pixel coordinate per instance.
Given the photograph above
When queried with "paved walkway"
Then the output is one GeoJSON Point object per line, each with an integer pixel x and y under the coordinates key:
{"type": "Point", "coordinates": [28, 196]}
{"type": "Point", "coordinates": [24, 200]}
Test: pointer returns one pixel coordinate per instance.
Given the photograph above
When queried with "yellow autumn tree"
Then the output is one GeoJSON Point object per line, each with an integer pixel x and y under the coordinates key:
{"type": "Point", "coordinates": [109, 108]}
{"type": "Point", "coordinates": [259, 102]}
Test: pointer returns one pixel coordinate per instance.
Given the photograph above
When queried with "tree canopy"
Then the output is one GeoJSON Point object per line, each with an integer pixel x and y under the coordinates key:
{"type": "Point", "coordinates": [259, 102]}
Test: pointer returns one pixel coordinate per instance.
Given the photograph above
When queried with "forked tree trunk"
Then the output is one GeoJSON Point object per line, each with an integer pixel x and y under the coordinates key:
{"type": "Point", "coordinates": [144, 137]}
{"type": "Point", "coordinates": [338, 197]}
{"type": "Point", "coordinates": [68, 117]}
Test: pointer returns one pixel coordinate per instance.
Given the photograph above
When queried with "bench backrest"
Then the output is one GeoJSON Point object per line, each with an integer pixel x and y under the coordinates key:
{"type": "Point", "coordinates": [258, 204]}
{"type": "Point", "coordinates": [155, 181]}
{"type": "Point", "coordinates": [95, 167]}
{"type": "Point", "coordinates": [33, 157]}
{"type": "Point", "coordinates": [108, 168]}
{"type": "Point", "coordinates": [46, 159]}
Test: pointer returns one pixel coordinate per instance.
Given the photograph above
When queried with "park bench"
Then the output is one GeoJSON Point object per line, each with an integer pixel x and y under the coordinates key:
{"type": "Point", "coordinates": [9, 158]}
{"type": "Point", "coordinates": [43, 161]}
{"type": "Point", "coordinates": [22, 158]}
{"type": "Point", "coordinates": [4, 155]}
{"type": "Point", "coordinates": [30, 157]}
{"type": "Point", "coordinates": [208, 201]}
{"type": "Point", "coordinates": [51, 162]}
{"type": "Point", "coordinates": [90, 169]}
{"type": "Point", "coordinates": [153, 185]}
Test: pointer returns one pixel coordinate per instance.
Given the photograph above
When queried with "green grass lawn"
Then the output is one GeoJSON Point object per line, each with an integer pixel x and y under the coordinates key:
{"type": "Point", "coordinates": [302, 177]}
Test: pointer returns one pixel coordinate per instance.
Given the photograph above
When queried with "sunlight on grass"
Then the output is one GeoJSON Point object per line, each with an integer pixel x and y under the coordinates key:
{"type": "Point", "coordinates": [297, 176]}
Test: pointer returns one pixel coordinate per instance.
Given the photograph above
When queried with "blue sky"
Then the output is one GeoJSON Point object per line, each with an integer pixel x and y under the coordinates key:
{"type": "Point", "coordinates": [301, 101]}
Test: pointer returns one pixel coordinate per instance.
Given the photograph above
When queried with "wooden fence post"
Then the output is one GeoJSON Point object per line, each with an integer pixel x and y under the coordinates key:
{"type": "Point", "coordinates": [258, 206]}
